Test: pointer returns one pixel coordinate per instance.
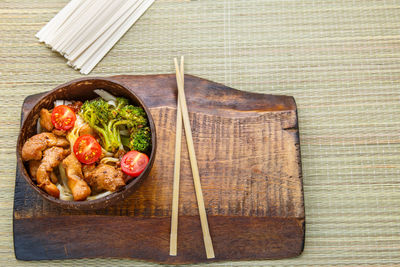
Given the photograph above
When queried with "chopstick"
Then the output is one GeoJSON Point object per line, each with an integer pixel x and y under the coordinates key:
{"type": "Point", "coordinates": [193, 162]}
{"type": "Point", "coordinates": [175, 191]}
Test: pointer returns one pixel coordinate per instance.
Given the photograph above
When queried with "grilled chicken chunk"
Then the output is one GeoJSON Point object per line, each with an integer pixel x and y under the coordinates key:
{"type": "Point", "coordinates": [86, 169]}
{"type": "Point", "coordinates": [51, 158]}
{"type": "Point", "coordinates": [33, 167]}
{"type": "Point", "coordinates": [59, 132]}
{"type": "Point", "coordinates": [73, 168]}
{"type": "Point", "coordinates": [76, 106]}
{"type": "Point", "coordinates": [86, 129]}
{"type": "Point", "coordinates": [34, 146]}
{"type": "Point", "coordinates": [45, 120]}
{"type": "Point", "coordinates": [53, 177]}
{"type": "Point", "coordinates": [103, 177]}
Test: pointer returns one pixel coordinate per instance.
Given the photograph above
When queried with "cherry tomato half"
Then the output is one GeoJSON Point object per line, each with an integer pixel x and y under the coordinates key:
{"type": "Point", "coordinates": [63, 117]}
{"type": "Point", "coordinates": [87, 150]}
{"type": "Point", "coordinates": [133, 163]}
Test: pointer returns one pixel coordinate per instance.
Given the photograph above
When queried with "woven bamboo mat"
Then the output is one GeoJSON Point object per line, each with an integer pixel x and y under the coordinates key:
{"type": "Point", "coordinates": [340, 59]}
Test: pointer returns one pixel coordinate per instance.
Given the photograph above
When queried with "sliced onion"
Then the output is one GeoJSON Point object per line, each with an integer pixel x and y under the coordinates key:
{"type": "Point", "coordinates": [58, 103]}
{"type": "Point", "coordinates": [99, 195]}
{"type": "Point", "coordinates": [106, 153]}
{"type": "Point", "coordinates": [64, 180]}
{"type": "Point", "coordinates": [64, 195]}
{"type": "Point", "coordinates": [105, 95]}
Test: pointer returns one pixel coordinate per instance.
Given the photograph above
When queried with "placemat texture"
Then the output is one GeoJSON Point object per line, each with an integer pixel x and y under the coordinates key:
{"type": "Point", "coordinates": [339, 59]}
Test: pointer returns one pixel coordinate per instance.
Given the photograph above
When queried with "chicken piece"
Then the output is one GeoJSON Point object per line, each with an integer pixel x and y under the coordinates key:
{"type": "Point", "coordinates": [76, 106]}
{"type": "Point", "coordinates": [104, 177]}
{"type": "Point", "coordinates": [45, 120]}
{"type": "Point", "coordinates": [73, 168]}
{"type": "Point", "coordinates": [86, 129]}
{"type": "Point", "coordinates": [51, 158]}
{"type": "Point", "coordinates": [53, 177]}
{"type": "Point", "coordinates": [34, 146]}
{"type": "Point", "coordinates": [87, 168]}
{"type": "Point", "coordinates": [59, 132]}
{"type": "Point", "coordinates": [33, 167]}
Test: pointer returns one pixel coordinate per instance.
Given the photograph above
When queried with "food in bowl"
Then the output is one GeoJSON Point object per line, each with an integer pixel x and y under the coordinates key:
{"type": "Point", "coordinates": [85, 151]}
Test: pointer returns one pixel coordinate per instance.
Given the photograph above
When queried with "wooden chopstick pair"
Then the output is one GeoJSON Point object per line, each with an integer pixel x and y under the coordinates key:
{"type": "Point", "coordinates": [182, 113]}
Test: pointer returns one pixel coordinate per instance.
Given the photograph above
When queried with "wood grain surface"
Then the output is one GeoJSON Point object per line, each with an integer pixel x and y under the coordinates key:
{"type": "Point", "coordinates": [247, 147]}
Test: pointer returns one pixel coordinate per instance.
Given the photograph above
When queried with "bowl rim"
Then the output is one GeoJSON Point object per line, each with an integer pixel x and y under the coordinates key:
{"type": "Point", "coordinates": [105, 201]}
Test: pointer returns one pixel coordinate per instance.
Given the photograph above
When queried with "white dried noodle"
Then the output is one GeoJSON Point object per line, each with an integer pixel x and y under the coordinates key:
{"type": "Point", "coordinates": [85, 30]}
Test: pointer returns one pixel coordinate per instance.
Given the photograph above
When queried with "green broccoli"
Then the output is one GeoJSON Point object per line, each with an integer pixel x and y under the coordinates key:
{"type": "Point", "coordinates": [98, 114]}
{"type": "Point", "coordinates": [135, 115]}
{"type": "Point", "coordinates": [107, 120]}
{"type": "Point", "coordinates": [141, 140]}
{"type": "Point", "coordinates": [121, 102]}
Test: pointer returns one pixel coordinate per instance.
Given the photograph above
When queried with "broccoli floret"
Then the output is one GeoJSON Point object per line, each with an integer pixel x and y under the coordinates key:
{"type": "Point", "coordinates": [134, 119]}
{"type": "Point", "coordinates": [107, 120]}
{"type": "Point", "coordinates": [141, 140]}
{"type": "Point", "coordinates": [135, 115]}
{"type": "Point", "coordinates": [121, 102]}
{"type": "Point", "coordinates": [98, 114]}
{"type": "Point", "coordinates": [131, 117]}
{"type": "Point", "coordinates": [115, 111]}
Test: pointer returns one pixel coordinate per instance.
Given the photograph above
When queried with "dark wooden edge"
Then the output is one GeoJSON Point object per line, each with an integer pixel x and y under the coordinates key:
{"type": "Point", "coordinates": [274, 238]}
{"type": "Point", "coordinates": [220, 97]}
{"type": "Point", "coordinates": [301, 177]}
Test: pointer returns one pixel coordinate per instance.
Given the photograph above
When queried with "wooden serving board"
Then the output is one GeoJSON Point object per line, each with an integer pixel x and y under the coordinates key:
{"type": "Point", "coordinates": [247, 147]}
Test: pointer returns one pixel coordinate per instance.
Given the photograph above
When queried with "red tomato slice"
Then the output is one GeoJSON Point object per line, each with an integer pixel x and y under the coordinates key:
{"type": "Point", "coordinates": [87, 150]}
{"type": "Point", "coordinates": [133, 163]}
{"type": "Point", "coordinates": [63, 117]}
